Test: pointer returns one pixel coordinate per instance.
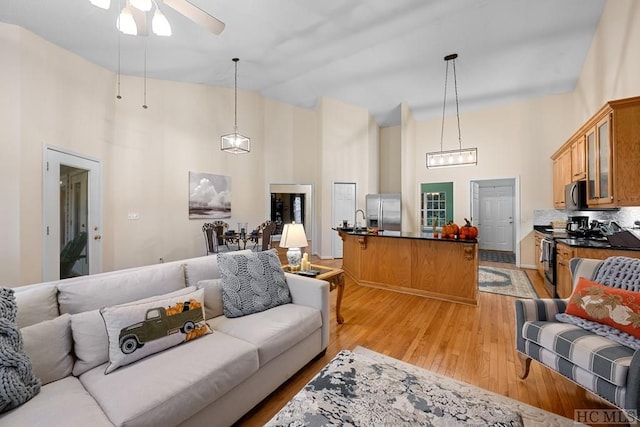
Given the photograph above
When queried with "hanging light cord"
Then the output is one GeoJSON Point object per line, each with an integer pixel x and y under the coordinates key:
{"type": "Point", "coordinates": [444, 103]}
{"type": "Point", "coordinates": [235, 102]}
{"type": "Point", "coordinates": [448, 58]}
{"type": "Point", "coordinates": [119, 54]}
{"type": "Point", "coordinates": [144, 105]}
{"type": "Point", "coordinates": [455, 85]}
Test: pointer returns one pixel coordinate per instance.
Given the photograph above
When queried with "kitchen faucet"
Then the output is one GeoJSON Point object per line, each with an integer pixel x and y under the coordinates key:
{"type": "Point", "coordinates": [364, 218]}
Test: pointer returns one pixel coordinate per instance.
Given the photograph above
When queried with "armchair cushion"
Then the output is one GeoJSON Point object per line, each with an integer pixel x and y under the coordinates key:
{"type": "Point", "coordinates": [596, 354]}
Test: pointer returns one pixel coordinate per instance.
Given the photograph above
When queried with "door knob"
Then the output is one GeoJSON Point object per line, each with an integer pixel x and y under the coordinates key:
{"type": "Point", "coordinates": [97, 237]}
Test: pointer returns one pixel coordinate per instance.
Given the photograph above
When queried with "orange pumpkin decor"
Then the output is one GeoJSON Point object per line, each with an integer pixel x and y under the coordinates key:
{"type": "Point", "coordinates": [468, 231]}
{"type": "Point", "coordinates": [450, 230]}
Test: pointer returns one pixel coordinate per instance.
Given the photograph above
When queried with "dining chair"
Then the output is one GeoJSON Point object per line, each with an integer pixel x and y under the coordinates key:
{"type": "Point", "coordinates": [221, 228]}
{"type": "Point", "coordinates": [267, 232]}
{"type": "Point", "coordinates": [210, 240]}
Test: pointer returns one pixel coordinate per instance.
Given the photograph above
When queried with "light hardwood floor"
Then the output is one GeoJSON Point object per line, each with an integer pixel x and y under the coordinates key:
{"type": "Point", "coordinates": [471, 344]}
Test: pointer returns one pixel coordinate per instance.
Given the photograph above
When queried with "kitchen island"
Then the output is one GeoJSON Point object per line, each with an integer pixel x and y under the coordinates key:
{"type": "Point", "coordinates": [413, 263]}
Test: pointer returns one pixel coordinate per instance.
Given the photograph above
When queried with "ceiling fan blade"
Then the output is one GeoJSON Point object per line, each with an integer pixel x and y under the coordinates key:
{"type": "Point", "coordinates": [196, 14]}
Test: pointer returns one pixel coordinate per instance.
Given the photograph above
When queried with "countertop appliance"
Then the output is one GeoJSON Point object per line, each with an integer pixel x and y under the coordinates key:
{"type": "Point", "coordinates": [384, 211]}
{"type": "Point", "coordinates": [575, 223]}
{"type": "Point", "coordinates": [575, 196]}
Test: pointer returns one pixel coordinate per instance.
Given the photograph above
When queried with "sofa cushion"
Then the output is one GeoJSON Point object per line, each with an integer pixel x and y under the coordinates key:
{"type": "Point", "coordinates": [138, 330]}
{"type": "Point", "coordinates": [117, 287]}
{"type": "Point", "coordinates": [91, 343]}
{"type": "Point", "coordinates": [50, 348]}
{"type": "Point", "coordinates": [273, 331]}
{"type": "Point", "coordinates": [204, 268]}
{"type": "Point", "coordinates": [617, 308]}
{"type": "Point", "coordinates": [589, 351]}
{"type": "Point", "coordinates": [212, 297]}
{"type": "Point", "coordinates": [169, 387]}
{"type": "Point", "coordinates": [60, 403]}
{"type": "Point", "coordinates": [18, 383]}
{"type": "Point", "coordinates": [252, 282]}
{"type": "Point", "coordinates": [36, 304]}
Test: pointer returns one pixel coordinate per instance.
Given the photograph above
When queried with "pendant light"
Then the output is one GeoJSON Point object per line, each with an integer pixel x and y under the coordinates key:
{"type": "Point", "coordinates": [450, 158]}
{"type": "Point", "coordinates": [234, 142]}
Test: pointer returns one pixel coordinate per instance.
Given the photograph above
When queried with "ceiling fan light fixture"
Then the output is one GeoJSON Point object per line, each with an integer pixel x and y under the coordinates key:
{"type": "Point", "coordinates": [125, 23]}
{"type": "Point", "coordinates": [160, 25]}
{"type": "Point", "coordinates": [143, 5]}
{"type": "Point", "coordinates": [102, 4]}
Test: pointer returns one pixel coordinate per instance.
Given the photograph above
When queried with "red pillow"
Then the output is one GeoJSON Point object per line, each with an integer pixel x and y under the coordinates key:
{"type": "Point", "coordinates": [617, 308]}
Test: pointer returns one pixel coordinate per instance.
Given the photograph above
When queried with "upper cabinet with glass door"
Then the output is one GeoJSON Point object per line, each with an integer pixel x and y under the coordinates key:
{"type": "Point", "coordinates": [612, 139]}
{"type": "Point", "coordinates": [599, 182]}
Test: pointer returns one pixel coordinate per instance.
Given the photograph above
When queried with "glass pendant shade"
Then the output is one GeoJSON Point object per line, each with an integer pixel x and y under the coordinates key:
{"type": "Point", "coordinates": [235, 143]}
{"type": "Point", "coordinates": [444, 159]}
{"type": "Point", "coordinates": [159, 25]}
{"type": "Point", "coordinates": [126, 24]}
{"type": "Point", "coordinates": [102, 4]}
{"type": "Point", "coordinates": [143, 5]}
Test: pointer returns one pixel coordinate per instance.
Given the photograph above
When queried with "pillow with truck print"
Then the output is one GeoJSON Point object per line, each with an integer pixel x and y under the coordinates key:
{"type": "Point", "coordinates": [136, 331]}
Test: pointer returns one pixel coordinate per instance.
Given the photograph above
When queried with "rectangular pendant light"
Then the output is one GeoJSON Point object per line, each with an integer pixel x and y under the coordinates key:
{"type": "Point", "coordinates": [451, 158]}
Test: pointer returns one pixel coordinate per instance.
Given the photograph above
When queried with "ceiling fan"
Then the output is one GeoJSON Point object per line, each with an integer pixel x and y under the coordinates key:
{"type": "Point", "coordinates": [133, 16]}
{"type": "Point", "coordinates": [197, 15]}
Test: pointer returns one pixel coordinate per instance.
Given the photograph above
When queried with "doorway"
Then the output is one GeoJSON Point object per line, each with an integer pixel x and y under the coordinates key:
{"type": "Point", "coordinates": [344, 208]}
{"type": "Point", "coordinates": [72, 213]}
{"type": "Point", "coordinates": [494, 206]}
{"type": "Point", "coordinates": [300, 209]}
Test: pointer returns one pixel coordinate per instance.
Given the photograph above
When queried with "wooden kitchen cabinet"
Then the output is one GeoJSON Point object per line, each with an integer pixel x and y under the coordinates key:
{"type": "Point", "coordinates": [610, 141]}
{"type": "Point", "coordinates": [599, 183]}
{"type": "Point", "coordinates": [564, 253]}
{"type": "Point", "coordinates": [538, 248]}
{"type": "Point", "coordinates": [578, 159]}
{"type": "Point", "coordinates": [564, 285]}
{"type": "Point", "coordinates": [561, 176]}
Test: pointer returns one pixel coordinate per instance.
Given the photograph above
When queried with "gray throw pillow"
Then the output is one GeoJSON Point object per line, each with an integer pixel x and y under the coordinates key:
{"type": "Point", "coordinates": [19, 383]}
{"type": "Point", "coordinates": [252, 282]}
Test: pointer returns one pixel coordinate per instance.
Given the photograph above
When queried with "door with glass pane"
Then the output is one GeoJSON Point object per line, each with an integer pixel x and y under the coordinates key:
{"type": "Point", "coordinates": [72, 227]}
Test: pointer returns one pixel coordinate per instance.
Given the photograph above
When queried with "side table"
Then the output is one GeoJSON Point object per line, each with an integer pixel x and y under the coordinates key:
{"type": "Point", "coordinates": [335, 277]}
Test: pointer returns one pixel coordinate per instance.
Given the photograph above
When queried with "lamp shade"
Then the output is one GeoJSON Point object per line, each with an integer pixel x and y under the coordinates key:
{"type": "Point", "coordinates": [293, 236]}
{"type": "Point", "coordinates": [159, 24]}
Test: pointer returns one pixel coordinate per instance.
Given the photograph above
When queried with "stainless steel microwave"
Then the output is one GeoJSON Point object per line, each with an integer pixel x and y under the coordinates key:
{"type": "Point", "coordinates": [575, 196]}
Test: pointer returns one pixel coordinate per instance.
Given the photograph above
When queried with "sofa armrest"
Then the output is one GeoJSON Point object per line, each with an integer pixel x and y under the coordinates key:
{"type": "Point", "coordinates": [313, 293]}
{"type": "Point", "coordinates": [528, 310]}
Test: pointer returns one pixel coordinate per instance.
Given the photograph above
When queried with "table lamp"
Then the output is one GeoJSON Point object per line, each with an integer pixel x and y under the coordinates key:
{"type": "Point", "coordinates": [293, 238]}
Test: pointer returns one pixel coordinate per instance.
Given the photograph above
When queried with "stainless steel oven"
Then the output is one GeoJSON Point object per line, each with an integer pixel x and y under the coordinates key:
{"type": "Point", "coordinates": [548, 258]}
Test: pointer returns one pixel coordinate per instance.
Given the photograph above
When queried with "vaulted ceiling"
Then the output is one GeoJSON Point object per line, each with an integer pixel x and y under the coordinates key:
{"type": "Point", "coordinates": [371, 53]}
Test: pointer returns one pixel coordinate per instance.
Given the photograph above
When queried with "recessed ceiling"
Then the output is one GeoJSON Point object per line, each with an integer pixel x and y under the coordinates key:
{"type": "Point", "coordinates": [371, 53]}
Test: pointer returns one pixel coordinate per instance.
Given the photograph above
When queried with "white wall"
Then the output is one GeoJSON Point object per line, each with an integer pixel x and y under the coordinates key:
{"type": "Point", "coordinates": [390, 160]}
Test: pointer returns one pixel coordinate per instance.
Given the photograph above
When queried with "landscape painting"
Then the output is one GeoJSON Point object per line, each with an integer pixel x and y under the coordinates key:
{"type": "Point", "coordinates": [209, 196]}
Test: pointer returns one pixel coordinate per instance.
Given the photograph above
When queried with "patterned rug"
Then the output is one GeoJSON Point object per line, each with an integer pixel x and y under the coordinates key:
{"type": "Point", "coordinates": [364, 388]}
{"type": "Point", "coordinates": [505, 281]}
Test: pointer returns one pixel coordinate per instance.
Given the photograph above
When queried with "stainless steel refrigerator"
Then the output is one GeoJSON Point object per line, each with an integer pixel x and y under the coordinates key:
{"type": "Point", "coordinates": [384, 211]}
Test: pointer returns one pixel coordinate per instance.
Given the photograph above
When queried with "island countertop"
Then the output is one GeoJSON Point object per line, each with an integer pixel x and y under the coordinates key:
{"type": "Point", "coordinates": [424, 235]}
{"type": "Point", "coordinates": [414, 263]}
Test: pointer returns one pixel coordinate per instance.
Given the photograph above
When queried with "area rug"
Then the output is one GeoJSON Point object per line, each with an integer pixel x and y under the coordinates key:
{"type": "Point", "coordinates": [505, 281]}
{"type": "Point", "coordinates": [364, 388]}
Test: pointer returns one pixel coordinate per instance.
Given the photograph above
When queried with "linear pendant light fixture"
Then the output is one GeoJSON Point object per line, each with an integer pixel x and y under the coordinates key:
{"type": "Point", "coordinates": [450, 158]}
{"type": "Point", "coordinates": [234, 142]}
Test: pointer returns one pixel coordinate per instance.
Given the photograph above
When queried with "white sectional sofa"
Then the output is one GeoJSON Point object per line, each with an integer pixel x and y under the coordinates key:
{"type": "Point", "coordinates": [210, 381]}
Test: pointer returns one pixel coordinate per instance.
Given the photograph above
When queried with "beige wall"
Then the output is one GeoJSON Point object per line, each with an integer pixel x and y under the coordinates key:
{"type": "Point", "coordinates": [54, 97]}
{"type": "Point", "coordinates": [390, 160]}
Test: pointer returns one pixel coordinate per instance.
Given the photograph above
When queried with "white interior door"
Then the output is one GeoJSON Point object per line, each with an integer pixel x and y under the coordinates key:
{"type": "Point", "coordinates": [344, 207]}
{"type": "Point", "coordinates": [496, 213]}
{"type": "Point", "coordinates": [72, 204]}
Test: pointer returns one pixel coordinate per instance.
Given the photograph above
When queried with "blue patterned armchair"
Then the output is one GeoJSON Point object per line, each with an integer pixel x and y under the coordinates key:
{"type": "Point", "coordinates": [595, 356]}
